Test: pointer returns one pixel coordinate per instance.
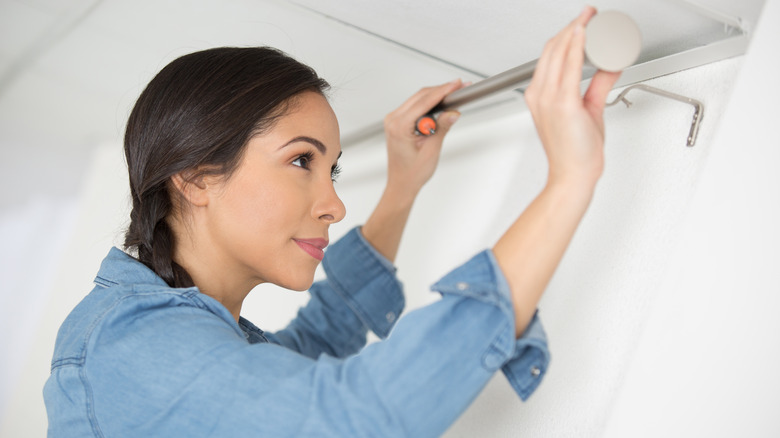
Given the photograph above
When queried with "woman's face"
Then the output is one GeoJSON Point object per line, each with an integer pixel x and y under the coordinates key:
{"type": "Point", "coordinates": [269, 221]}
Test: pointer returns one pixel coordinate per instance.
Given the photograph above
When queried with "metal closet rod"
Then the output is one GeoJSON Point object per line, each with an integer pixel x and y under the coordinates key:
{"type": "Point", "coordinates": [612, 43]}
{"type": "Point", "coordinates": [510, 79]}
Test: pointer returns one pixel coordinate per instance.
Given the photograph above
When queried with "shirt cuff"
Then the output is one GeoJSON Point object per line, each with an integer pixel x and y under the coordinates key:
{"type": "Point", "coordinates": [366, 281]}
{"type": "Point", "coordinates": [523, 361]}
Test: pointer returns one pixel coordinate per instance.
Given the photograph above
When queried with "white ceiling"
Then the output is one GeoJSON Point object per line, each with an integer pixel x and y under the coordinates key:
{"type": "Point", "coordinates": [70, 71]}
{"type": "Point", "coordinates": [490, 36]}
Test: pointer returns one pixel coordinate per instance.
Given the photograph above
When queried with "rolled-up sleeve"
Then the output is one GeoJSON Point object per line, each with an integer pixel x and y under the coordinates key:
{"type": "Point", "coordinates": [361, 293]}
{"type": "Point", "coordinates": [523, 361]}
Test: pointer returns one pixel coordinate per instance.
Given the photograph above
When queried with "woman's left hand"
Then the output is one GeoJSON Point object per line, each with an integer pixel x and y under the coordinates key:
{"type": "Point", "coordinates": [412, 158]}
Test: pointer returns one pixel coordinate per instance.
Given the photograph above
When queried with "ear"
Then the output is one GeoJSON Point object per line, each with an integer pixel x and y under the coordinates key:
{"type": "Point", "coordinates": [192, 186]}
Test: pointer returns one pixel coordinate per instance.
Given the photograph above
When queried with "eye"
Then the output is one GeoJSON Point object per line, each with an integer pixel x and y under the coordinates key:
{"type": "Point", "coordinates": [335, 171]}
{"type": "Point", "coordinates": [303, 160]}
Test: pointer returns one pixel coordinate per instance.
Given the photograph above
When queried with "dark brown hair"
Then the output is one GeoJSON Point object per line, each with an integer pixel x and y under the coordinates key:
{"type": "Point", "coordinates": [199, 112]}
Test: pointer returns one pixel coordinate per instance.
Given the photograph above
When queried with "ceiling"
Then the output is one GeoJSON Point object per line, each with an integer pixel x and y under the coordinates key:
{"type": "Point", "coordinates": [70, 71]}
{"type": "Point", "coordinates": [491, 36]}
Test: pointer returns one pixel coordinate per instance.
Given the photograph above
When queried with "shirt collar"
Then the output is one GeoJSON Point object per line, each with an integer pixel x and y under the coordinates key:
{"type": "Point", "coordinates": [120, 268]}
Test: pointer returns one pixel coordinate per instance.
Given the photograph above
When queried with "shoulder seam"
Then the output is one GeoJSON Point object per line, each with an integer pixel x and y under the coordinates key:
{"type": "Point", "coordinates": [80, 359]}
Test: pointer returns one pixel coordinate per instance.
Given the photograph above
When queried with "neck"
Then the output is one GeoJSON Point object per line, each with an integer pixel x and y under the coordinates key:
{"type": "Point", "coordinates": [212, 272]}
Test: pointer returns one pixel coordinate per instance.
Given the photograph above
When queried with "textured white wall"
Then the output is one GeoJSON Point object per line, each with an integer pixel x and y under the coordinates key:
{"type": "Point", "coordinates": [708, 359]}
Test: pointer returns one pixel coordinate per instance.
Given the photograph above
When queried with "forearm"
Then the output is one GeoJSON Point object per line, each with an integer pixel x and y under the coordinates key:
{"type": "Point", "coordinates": [411, 161]}
{"type": "Point", "coordinates": [531, 249]}
{"type": "Point", "coordinates": [385, 227]}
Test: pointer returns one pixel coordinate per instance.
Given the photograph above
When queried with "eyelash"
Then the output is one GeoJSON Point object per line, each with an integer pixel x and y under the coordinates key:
{"type": "Point", "coordinates": [307, 158]}
{"type": "Point", "coordinates": [335, 171]}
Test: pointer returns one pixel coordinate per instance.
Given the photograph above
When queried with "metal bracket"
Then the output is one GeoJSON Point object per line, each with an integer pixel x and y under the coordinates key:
{"type": "Point", "coordinates": [697, 115]}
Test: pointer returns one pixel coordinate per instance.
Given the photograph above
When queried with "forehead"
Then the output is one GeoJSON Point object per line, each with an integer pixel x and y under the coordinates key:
{"type": "Point", "coordinates": [309, 115]}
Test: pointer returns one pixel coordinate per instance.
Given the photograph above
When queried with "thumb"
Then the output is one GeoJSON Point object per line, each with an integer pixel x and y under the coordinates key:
{"type": "Point", "coordinates": [445, 121]}
{"type": "Point", "coordinates": [600, 86]}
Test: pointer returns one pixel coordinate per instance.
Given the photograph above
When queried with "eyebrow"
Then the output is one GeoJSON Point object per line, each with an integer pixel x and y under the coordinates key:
{"type": "Point", "coordinates": [312, 141]}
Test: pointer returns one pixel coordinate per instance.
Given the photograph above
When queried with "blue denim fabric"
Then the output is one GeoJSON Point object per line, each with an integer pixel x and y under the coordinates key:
{"type": "Point", "coordinates": [139, 358]}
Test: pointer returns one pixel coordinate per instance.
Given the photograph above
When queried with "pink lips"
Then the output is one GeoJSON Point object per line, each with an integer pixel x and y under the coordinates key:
{"type": "Point", "coordinates": [313, 247]}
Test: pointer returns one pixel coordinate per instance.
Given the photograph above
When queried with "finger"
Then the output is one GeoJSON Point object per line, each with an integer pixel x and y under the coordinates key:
{"type": "Point", "coordinates": [586, 15]}
{"type": "Point", "coordinates": [403, 120]}
{"type": "Point", "coordinates": [576, 56]}
{"type": "Point", "coordinates": [572, 72]}
{"type": "Point", "coordinates": [561, 45]}
{"type": "Point", "coordinates": [549, 66]}
{"type": "Point", "coordinates": [425, 99]}
{"type": "Point", "coordinates": [555, 57]}
{"type": "Point", "coordinates": [601, 84]}
{"type": "Point", "coordinates": [546, 66]}
{"type": "Point", "coordinates": [404, 107]}
{"type": "Point", "coordinates": [445, 122]}
{"type": "Point", "coordinates": [431, 99]}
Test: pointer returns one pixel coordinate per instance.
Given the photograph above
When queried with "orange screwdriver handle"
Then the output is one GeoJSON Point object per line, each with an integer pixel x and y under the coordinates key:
{"type": "Point", "coordinates": [425, 125]}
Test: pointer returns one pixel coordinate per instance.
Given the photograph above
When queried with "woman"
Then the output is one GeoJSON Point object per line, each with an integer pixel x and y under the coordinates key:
{"type": "Point", "coordinates": [232, 154]}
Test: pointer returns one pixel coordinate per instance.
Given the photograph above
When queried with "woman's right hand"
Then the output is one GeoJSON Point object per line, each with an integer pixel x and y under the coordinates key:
{"type": "Point", "coordinates": [571, 127]}
{"type": "Point", "coordinates": [412, 158]}
{"type": "Point", "coordinates": [411, 161]}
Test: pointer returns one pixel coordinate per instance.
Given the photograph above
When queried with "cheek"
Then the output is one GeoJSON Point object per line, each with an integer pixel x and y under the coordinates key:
{"type": "Point", "coordinates": [260, 213]}
{"type": "Point", "coordinates": [250, 209]}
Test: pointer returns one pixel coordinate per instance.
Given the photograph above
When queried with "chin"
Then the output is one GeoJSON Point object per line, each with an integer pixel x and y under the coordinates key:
{"type": "Point", "coordinates": [300, 287]}
{"type": "Point", "coordinates": [300, 283]}
{"type": "Point", "coordinates": [294, 275]}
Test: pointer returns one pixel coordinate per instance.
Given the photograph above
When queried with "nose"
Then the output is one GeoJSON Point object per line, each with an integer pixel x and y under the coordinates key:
{"type": "Point", "coordinates": [328, 206]}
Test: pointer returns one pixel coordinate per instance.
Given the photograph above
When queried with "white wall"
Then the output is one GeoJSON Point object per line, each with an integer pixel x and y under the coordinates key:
{"type": "Point", "coordinates": [79, 233]}
{"type": "Point", "coordinates": [707, 361]}
{"type": "Point", "coordinates": [608, 288]}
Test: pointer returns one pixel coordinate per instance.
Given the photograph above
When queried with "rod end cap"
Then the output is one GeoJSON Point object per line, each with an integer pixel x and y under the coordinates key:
{"type": "Point", "coordinates": [612, 41]}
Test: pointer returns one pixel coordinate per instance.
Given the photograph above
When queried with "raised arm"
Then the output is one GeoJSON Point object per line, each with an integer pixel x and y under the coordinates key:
{"type": "Point", "coordinates": [411, 161]}
{"type": "Point", "coordinates": [571, 128]}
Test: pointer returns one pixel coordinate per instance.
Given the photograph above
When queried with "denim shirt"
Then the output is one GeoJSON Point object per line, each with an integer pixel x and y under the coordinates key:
{"type": "Point", "coordinates": [139, 358]}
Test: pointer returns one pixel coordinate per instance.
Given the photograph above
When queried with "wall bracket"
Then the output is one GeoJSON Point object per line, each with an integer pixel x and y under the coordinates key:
{"type": "Point", "coordinates": [698, 113]}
